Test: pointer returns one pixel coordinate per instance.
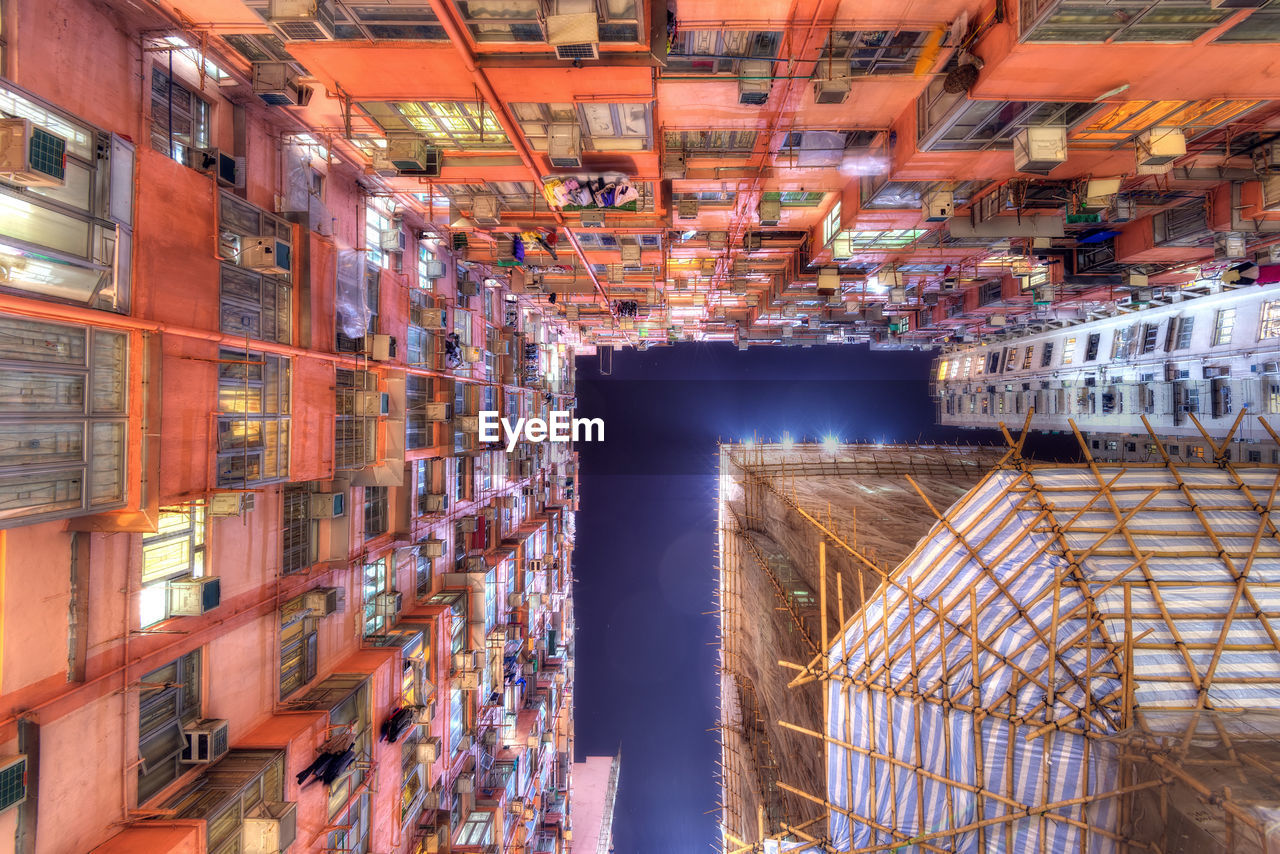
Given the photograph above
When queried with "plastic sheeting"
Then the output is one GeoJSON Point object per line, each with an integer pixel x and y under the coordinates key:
{"type": "Point", "coordinates": [350, 295]}
{"type": "Point", "coordinates": [893, 734]}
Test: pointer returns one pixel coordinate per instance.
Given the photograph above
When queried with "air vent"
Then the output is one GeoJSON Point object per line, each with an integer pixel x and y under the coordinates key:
{"type": "Point", "coordinates": [574, 37]}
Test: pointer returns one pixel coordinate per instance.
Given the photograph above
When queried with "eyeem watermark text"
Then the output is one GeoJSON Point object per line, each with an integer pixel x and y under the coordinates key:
{"type": "Point", "coordinates": [560, 427]}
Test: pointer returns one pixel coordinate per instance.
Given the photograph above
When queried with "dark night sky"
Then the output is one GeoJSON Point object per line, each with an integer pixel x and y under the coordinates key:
{"type": "Point", "coordinates": [644, 562]}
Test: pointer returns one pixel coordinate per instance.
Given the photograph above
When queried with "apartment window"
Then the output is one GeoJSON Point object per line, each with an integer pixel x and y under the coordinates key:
{"type": "Point", "coordinates": [422, 574]}
{"type": "Point", "coordinates": [1069, 350]}
{"type": "Point", "coordinates": [1273, 397]}
{"type": "Point", "coordinates": [710, 141]}
{"type": "Point", "coordinates": [253, 303]}
{"type": "Point", "coordinates": [299, 534]}
{"type": "Point", "coordinates": [375, 511]}
{"type": "Point", "coordinates": [1220, 397]}
{"type": "Point", "coordinates": [831, 223]}
{"type": "Point", "coordinates": [355, 434]}
{"type": "Point", "coordinates": [949, 121]}
{"type": "Point", "coordinates": [457, 711]}
{"type": "Point", "coordinates": [1150, 337]}
{"type": "Point", "coordinates": [179, 117]}
{"type": "Point", "coordinates": [1255, 456]}
{"type": "Point", "coordinates": [373, 582]}
{"type": "Point", "coordinates": [476, 830]}
{"type": "Point", "coordinates": [1196, 451]}
{"type": "Point", "coordinates": [1270, 326]}
{"type": "Point", "coordinates": [426, 258]}
{"type": "Point", "coordinates": [1120, 342]}
{"type": "Point", "coordinates": [169, 700]}
{"type": "Point", "coordinates": [70, 243]}
{"type": "Point", "coordinates": [604, 127]}
{"type": "Point", "coordinates": [1012, 362]}
{"type": "Point", "coordinates": [253, 420]}
{"type": "Point", "coordinates": [62, 418]}
{"type": "Point", "coordinates": [863, 52]}
{"type": "Point", "coordinates": [1091, 346]}
{"type": "Point", "coordinates": [1180, 329]}
{"type": "Point", "coordinates": [375, 225]}
{"type": "Point", "coordinates": [1101, 21]}
{"type": "Point", "coordinates": [352, 836]}
{"type": "Point", "coordinates": [796, 199]}
{"type": "Point", "coordinates": [175, 550]}
{"type": "Point", "coordinates": [418, 430]}
{"type": "Point", "coordinates": [1223, 324]}
{"type": "Point", "coordinates": [1026, 357]}
{"type": "Point", "coordinates": [717, 52]}
{"type": "Point", "coordinates": [1046, 356]}
{"type": "Point", "coordinates": [520, 20]}
{"type": "Point", "coordinates": [299, 647]}
{"type": "Point", "coordinates": [452, 125]}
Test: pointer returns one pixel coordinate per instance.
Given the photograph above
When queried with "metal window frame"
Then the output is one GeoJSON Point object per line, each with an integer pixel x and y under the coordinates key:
{"type": "Point", "coordinates": [872, 65]}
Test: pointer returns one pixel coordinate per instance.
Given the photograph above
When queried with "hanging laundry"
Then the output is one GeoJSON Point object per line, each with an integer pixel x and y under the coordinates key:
{"type": "Point", "coordinates": [337, 766]}
{"type": "Point", "coordinates": [517, 248]}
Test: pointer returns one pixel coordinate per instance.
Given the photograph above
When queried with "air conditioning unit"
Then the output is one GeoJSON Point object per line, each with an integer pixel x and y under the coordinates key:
{"type": "Point", "coordinates": [673, 164]}
{"type": "Point", "coordinates": [432, 546]}
{"type": "Point", "coordinates": [30, 156]}
{"type": "Point", "coordinates": [770, 212]}
{"type": "Point", "coordinates": [687, 209]}
{"type": "Point", "coordinates": [574, 36]}
{"type": "Point", "coordinates": [413, 154]}
{"type": "Point", "coordinates": [515, 600]}
{"type": "Point", "coordinates": [432, 503]}
{"type": "Point", "coordinates": [829, 280]}
{"type": "Point", "coordinates": [270, 828]}
{"type": "Point", "coordinates": [228, 170]}
{"type": "Point", "coordinates": [468, 524]}
{"type": "Point", "coordinates": [230, 503]}
{"type": "Point", "coordinates": [207, 741]}
{"type": "Point", "coordinates": [1270, 185]}
{"type": "Point", "coordinates": [371, 404]}
{"type": "Point", "coordinates": [755, 79]}
{"type": "Point", "coordinates": [379, 348]}
{"type": "Point", "coordinates": [472, 354]}
{"type": "Point", "coordinates": [191, 597]}
{"type": "Point", "coordinates": [467, 680]}
{"type": "Point", "coordinates": [429, 318]}
{"type": "Point", "coordinates": [937, 206]}
{"type": "Point", "coordinates": [897, 295]}
{"type": "Point", "coordinates": [277, 84]}
{"type": "Point", "coordinates": [997, 320]}
{"type": "Point", "coordinates": [484, 210]}
{"type": "Point", "coordinates": [436, 411]}
{"type": "Point", "coordinates": [1160, 146]}
{"type": "Point", "coordinates": [327, 505]}
{"type": "Point", "coordinates": [717, 240]}
{"type": "Point", "coordinates": [1039, 150]}
{"type": "Point", "coordinates": [828, 88]}
{"type": "Point", "coordinates": [630, 253]}
{"type": "Point", "coordinates": [13, 781]}
{"type": "Point", "coordinates": [324, 601]}
{"type": "Point", "coordinates": [950, 284]}
{"type": "Point", "coordinates": [266, 255]}
{"type": "Point", "coordinates": [387, 604]}
{"type": "Point", "coordinates": [428, 750]}
{"type": "Point", "coordinates": [301, 20]}
{"type": "Point", "coordinates": [591, 219]}
{"type": "Point", "coordinates": [465, 661]}
{"type": "Point", "coordinates": [466, 424]}
{"type": "Point", "coordinates": [564, 145]}
{"type": "Point", "coordinates": [392, 240]}
{"type": "Point", "coordinates": [432, 269]}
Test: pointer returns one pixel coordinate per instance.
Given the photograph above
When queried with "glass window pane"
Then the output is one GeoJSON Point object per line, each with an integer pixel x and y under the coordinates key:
{"type": "Point", "coordinates": [31, 341]}
{"type": "Point", "coordinates": [35, 443]}
{"type": "Point", "coordinates": [22, 495]}
{"type": "Point", "coordinates": [28, 391]}
{"type": "Point", "coordinates": [24, 220]}
{"type": "Point", "coordinates": [107, 458]}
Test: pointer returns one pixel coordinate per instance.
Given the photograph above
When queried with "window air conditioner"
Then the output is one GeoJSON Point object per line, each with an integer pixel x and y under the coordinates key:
{"type": "Point", "coordinates": [207, 741]}
{"type": "Point", "coordinates": [324, 601]}
{"type": "Point", "coordinates": [428, 750]}
{"type": "Point", "coordinates": [468, 524]}
{"type": "Point", "coordinates": [230, 503]}
{"type": "Point", "coordinates": [387, 604]}
{"type": "Point", "coordinates": [191, 597]}
{"type": "Point", "coordinates": [432, 503]}
{"type": "Point", "coordinates": [687, 209]}
{"type": "Point", "coordinates": [1160, 146]}
{"type": "Point", "coordinates": [327, 505]}
{"type": "Point", "coordinates": [515, 600]}
{"type": "Point", "coordinates": [278, 85]}
{"type": "Point", "coordinates": [1270, 187]}
{"type": "Point", "coordinates": [30, 156]}
{"type": "Point", "coordinates": [380, 348]}
{"type": "Point", "coordinates": [433, 269]}
{"type": "Point", "coordinates": [413, 154]}
{"type": "Point", "coordinates": [829, 280]}
{"type": "Point", "coordinates": [472, 354]}
{"type": "Point", "coordinates": [468, 680]}
{"type": "Point", "coordinates": [432, 546]}
{"type": "Point", "coordinates": [371, 404]}
{"type": "Point", "coordinates": [717, 240]}
{"type": "Point", "coordinates": [266, 255]}
{"type": "Point", "coordinates": [13, 781]}
{"type": "Point", "coordinates": [770, 212]}
{"type": "Point", "coordinates": [630, 253]}
{"type": "Point", "coordinates": [673, 164]}
{"type": "Point", "coordinates": [564, 145]}
{"type": "Point", "coordinates": [270, 828]}
{"type": "Point", "coordinates": [997, 320]}
{"type": "Point", "coordinates": [228, 170]}
{"type": "Point", "coordinates": [301, 20]}
{"type": "Point", "coordinates": [937, 206]}
{"type": "Point", "coordinates": [466, 424]}
{"type": "Point", "coordinates": [755, 79]}
{"type": "Point", "coordinates": [436, 411]}
{"type": "Point", "coordinates": [430, 318]}
{"type": "Point", "coordinates": [1038, 150]}
{"type": "Point", "coordinates": [831, 83]}
{"type": "Point", "coordinates": [392, 240]}
{"type": "Point", "coordinates": [574, 36]}
{"type": "Point", "coordinates": [592, 219]}
{"type": "Point", "coordinates": [484, 210]}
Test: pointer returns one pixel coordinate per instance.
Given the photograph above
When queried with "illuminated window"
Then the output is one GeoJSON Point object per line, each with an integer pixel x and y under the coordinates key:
{"type": "Point", "coordinates": [796, 199]}
{"type": "Point", "coordinates": [604, 127]}
{"type": "Point", "coordinates": [948, 121]}
{"type": "Point", "coordinates": [1012, 362]}
{"type": "Point", "coordinates": [456, 125]}
{"type": "Point", "coordinates": [426, 259]}
{"type": "Point", "coordinates": [1069, 350]}
{"type": "Point", "coordinates": [299, 646]}
{"type": "Point", "coordinates": [62, 419]}
{"type": "Point", "coordinates": [1026, 357]}
{"type": "Point", "coordinates": [253, 420]}
{"type": "Point", "coordinates": [376, 224]}
{"type": "Point", "coordinates": [175, 550]}
{"type": "Point", "coordinates": [179, 117]}
{"type": "Point", "coordinates": [1100, 21]}
{"type": "Point", "coordinates": [1270, 320]}
{"type": "Point", "coordinates": [374, 581]}
{"type": "Point", "coordinates": [169, 699]}
{"type": "Point", "coordinates": [352, 837]}
{"type": "Point", "coordinates": [714, 51]}
{"type": "Point", "coordinates": [457, 712]}
{"type": "Point", "coordinates": [1223, 324]}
